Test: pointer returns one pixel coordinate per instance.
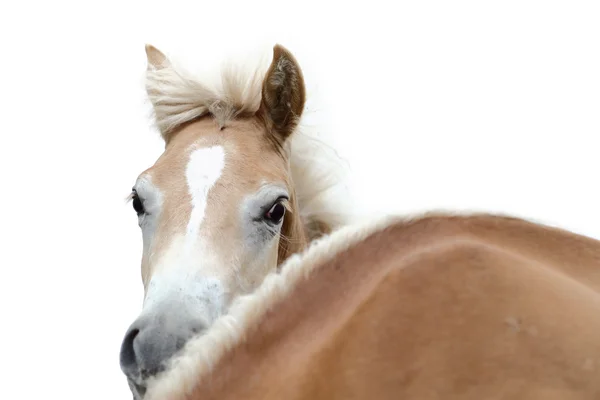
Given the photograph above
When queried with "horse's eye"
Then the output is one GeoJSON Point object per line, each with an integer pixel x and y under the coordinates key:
{"type": "Point", "coordinates": [276, 213]}
{"type": "Point", "coordinates": [137, 204]}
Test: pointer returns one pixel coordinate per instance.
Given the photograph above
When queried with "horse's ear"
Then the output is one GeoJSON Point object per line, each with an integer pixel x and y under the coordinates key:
{"type": "Point", "coordinates": [283, 93]}
{"type": "Point", "coordinates": [156, 59]}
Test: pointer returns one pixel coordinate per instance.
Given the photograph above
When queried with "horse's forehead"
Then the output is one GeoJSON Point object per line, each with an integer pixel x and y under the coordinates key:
{"type": "Point", "coordinates": [205, 175]}
{"type": "Point", "coordinates": [248, 158]}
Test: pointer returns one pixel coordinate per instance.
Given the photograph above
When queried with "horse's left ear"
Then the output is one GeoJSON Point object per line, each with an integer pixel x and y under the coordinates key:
{"type": "Point", "coordinates": [283, 93]}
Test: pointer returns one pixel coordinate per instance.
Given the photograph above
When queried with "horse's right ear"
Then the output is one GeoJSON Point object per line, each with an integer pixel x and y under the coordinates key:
{"type": "Point", "coordinates": [156, 59]}
{"type": "Point", "coordinates": [283, 93]}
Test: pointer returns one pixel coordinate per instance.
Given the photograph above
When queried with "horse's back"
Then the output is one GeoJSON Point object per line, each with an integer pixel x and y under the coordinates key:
{"type": "Point", "coordinates": [466, 315]}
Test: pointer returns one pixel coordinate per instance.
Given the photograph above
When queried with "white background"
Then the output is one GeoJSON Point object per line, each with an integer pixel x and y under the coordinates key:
{"type": "Point", "coordinates": [451, 104]}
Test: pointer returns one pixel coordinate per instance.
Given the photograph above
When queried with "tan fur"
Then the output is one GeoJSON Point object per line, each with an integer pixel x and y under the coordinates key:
{"type": "Point", "coordinates": [448, 307]}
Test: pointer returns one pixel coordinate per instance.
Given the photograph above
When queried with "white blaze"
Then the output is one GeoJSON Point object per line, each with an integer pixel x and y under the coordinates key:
{"type": "Point", "coordinates": [182, 280]}
{"type": "Point", "coordinates": [203, 170]}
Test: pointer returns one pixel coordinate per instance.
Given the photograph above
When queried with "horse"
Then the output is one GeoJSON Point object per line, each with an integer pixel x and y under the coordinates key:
{"type": "Point", "coordinates": [239, 188]}
{"type": "Point", "coordinates": [438, 306]}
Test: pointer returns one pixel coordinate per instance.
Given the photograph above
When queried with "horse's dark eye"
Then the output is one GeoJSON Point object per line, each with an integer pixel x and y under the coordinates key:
{"type": "Point", "coordinates": [137, 204]}
{"type": "Point", "coordinates": [276, 213]}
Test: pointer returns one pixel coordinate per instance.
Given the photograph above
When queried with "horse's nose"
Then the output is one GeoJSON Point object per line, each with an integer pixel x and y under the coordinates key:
{"type": "Point", "coordinates": [150, 343]}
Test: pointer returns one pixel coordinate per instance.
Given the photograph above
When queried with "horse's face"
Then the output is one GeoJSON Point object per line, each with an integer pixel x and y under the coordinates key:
{"type": "Point", "coordinates": [217, 213]}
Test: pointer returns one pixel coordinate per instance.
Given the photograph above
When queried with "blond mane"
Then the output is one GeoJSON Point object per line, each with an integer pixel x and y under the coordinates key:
{"type": "Point", "coordinates": [179, 97]}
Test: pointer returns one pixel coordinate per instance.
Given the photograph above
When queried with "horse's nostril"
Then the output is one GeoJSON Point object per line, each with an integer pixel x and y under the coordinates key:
{"type": "Point", "coordinates": [128, 358]}
{"type": "Point", "coordinates": [149, 344]}
{"type": "Point", "coordinates": [197, 328]}
{"type": "Point", "coordinates": [196, 331]}
{"type": "Point", "coordinates": [150, 372]}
